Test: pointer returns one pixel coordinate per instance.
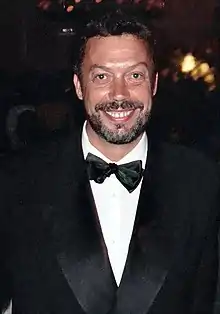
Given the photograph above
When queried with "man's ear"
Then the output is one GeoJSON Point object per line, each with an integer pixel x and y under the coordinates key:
{"type": "Point", "coordinates": [155, 84]}
{"type": "Point", "coordinates": [78, 87]}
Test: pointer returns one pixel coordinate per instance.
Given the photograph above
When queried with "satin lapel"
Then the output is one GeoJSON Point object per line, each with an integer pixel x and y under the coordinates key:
{"type": "Point", "coordinates": [80, 247]}
{"type": "Point", "coordinates": [151, 251]}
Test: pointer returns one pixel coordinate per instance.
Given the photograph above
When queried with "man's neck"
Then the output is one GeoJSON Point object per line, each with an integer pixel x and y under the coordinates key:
{"type": "Point", "coordinates": [113, 152]}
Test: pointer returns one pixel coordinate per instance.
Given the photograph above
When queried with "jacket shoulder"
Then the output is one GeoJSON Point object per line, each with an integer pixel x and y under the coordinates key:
{"type": "Point", "coordinates": [190, 161]}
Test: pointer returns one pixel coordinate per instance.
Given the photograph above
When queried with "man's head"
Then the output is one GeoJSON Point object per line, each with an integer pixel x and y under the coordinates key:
{"type": "Point", "coordinates": [115, 75]}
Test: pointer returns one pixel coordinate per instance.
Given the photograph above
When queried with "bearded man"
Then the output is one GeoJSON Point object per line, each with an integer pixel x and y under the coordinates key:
{"type": "Point", "coordinates": [108, 221]}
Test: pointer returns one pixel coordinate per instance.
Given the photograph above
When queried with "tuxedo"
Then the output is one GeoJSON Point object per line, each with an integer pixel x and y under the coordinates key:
{"type": "Point", "coordinates": [53, 255]}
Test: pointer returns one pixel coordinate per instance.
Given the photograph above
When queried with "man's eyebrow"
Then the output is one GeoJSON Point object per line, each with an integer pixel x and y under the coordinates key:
{"type": "Point", "coordinates": [138, 64]}
{"type": "Point", "coordinates": [101, 67]}
{"type": "Point", "coordinates": [109, 69]}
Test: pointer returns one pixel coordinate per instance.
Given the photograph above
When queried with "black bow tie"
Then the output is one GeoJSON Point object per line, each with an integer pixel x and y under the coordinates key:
{"type": "Point", "coordinates": [129, 174]}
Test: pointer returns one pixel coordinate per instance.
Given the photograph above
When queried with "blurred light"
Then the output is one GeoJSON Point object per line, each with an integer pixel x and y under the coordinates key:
{"type": "Point", "coordinates": [66, 31]}
{"type": "Point", "coordinates": [70, 8]}
{"type": "Point", "coordinates": [69, 5]}
{"type": "Point", "coordinates": [204, 68]}
{"type": "Point", "coordinates": [212, 87]}
{"type": "Point", "coordinates": [208, 51]}
{"type": "Point", "coordinates": [195, 74]}
{"type": "Point", "coordinates": [198, 70]}
{"type": "Point", "coordinates": [210, 78]}
{"type": "Point", "coordinates": [44, 4]}
{"type": "Point", "coordinates": [188, 63]}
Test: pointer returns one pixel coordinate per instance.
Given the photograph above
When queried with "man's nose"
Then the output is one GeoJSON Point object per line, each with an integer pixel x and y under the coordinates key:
{"type": "Point", "coordinates": [119, 90]}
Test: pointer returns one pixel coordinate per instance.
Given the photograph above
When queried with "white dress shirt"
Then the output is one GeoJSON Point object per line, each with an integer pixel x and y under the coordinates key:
{"type": "Point", "coordinates": [116, 207]}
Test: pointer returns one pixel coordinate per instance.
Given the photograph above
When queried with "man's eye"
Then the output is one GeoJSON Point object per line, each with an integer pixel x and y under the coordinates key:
{"type": "Point", "coordinates": [100, 77]}
{"type": "Point", "coordinates": [137, 76]}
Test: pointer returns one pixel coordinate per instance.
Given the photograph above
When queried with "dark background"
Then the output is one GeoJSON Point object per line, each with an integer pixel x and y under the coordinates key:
{"type": "Point", "coordinates": [35, 72]}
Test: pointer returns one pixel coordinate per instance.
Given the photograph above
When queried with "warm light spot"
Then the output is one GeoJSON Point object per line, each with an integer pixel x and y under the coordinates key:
{"type": "Point", "coordinates": [188, 63]}
{"type": "Point", "coordinates": [210, 78]}
{"type": "Point", "coordinates": [70, 8]}
{"type": "Point", "coordinates": [212, 87]}
{"type": "Point", "coordinates": [195, 73]}
{"type": "Point", "coordinates": [204, 68]}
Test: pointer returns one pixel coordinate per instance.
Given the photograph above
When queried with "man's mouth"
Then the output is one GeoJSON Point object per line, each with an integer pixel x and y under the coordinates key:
{"type": "Point", "coordinates": [123, 115]}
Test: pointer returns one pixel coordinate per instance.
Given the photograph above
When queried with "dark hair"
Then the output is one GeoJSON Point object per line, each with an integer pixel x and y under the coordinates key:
{"type": "Point", "coordinates": [115, 21]}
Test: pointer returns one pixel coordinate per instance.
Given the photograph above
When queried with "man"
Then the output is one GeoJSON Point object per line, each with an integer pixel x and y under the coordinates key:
{"type": "Point", "coordinates": [109, 222]}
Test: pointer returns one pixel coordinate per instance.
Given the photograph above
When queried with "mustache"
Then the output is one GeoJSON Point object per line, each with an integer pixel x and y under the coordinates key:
{"type": "Point", "coordinates": [115, 105]}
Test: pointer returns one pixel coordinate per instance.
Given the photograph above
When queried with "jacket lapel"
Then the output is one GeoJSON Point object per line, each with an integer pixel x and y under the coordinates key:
{"type": "Point", "coordinates": [80, 248]}
{"type": "Point", "coordinates": [152, 248]}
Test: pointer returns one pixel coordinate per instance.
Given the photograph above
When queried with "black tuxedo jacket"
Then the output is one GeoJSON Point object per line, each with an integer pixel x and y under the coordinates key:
{"type": "Point", "coordinates": [53, 256]}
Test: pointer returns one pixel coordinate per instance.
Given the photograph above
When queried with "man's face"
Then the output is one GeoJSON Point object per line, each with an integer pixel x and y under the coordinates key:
{"type": "Point", "coordinates": [116, 87]}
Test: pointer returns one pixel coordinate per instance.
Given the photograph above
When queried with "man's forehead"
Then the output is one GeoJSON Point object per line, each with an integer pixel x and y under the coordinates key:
{"type": "Point", "coordinates": [114, 50]}
{"type": "Point", "coordinates": [114, 40]}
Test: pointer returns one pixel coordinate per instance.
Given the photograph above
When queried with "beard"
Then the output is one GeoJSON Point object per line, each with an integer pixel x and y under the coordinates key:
{"type": "Point", "coordinates": [121, 134]}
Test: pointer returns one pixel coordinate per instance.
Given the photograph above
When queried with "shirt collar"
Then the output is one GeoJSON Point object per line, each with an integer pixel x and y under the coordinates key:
{"type": "Point", "coordinates": [139, 152]}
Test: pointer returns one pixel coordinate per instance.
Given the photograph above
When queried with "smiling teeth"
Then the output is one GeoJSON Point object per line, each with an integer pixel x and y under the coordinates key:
{"type": "Point", "coordinates": [122, 114]}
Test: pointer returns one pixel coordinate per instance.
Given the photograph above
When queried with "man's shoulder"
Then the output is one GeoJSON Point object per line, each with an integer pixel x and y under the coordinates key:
{"type": "Point", "coordinates": [35, 166]}
{"type": "Point", "coordinates": [41, 154]}
{"type": "Point", "coordinates": [188, 176]}
{"type": "Point", "coordinates": [187, 168]}
{"type": "Point", "coordinates": [190, 158]}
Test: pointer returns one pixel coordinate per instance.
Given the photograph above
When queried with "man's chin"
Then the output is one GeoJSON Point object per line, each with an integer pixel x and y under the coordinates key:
{"type": "Point", "coordinates": [118, 137]}
{"type": "Point", "coordinates": [116, 132]}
